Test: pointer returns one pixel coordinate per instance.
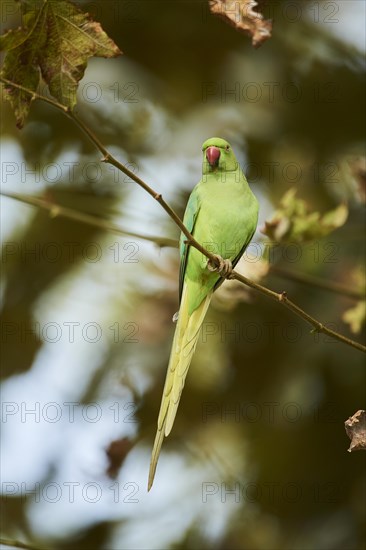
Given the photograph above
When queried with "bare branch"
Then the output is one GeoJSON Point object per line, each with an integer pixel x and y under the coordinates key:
{"type": "Point", "coordinates": [19, 544]}
{"type": "Point", "coordinates": [283, 299]}
{"type": "Point", "coordinates": [58, 210]}
{"type": "Point", "coordinates": [108, 157]}
{"type": "Point", "coordinates": [317, 282]}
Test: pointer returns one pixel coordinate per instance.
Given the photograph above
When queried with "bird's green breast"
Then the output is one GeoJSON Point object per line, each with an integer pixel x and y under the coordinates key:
{"type": "Point", "coordinates": [226, 220]}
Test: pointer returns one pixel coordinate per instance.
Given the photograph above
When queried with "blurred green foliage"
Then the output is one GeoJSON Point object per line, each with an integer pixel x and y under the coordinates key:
{"type": "Point", "coordinates": [294, 110]}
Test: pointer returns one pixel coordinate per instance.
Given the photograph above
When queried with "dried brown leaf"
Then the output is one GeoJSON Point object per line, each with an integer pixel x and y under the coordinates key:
{"type": "Point", "coordinates": [356, 431]}
{"type": "Point", "coordinates": [116, 453]}
{"type": "Point", "coordinates": [242, 16]}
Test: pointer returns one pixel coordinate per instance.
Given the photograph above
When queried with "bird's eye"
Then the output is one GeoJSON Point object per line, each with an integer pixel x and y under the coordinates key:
{"type": "Point", "coordinates": [227, 147]}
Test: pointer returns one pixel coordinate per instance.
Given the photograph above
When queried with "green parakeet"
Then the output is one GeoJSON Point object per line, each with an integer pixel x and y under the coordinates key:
{"type": "Point", "coordinates": [222, 215]}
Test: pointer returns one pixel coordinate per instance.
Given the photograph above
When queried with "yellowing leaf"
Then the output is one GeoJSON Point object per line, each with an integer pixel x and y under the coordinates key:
{"type": "Point", "coordinates": [55, 42]}
{"type": "Point", "coordinates": [241, 15]}
{"type": "Point", "coordinates": [336, 218]}
{"type": "Point", "coordinates": [294, 221]}
{"type": "Point", "coordinates": [355, 316]}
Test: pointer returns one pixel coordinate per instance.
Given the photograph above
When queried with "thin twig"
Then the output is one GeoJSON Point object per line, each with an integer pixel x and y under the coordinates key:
{"type": "Point", "coordinates": [107, 157]}
{"type": "Point", "coordinates": [317, 282]}
{"type": "Point", "coordinates": [58, 210]}
{"type": "Point", "coordinates": [19, 544]}
{"type": "Point", "coordinates": [283, 299]}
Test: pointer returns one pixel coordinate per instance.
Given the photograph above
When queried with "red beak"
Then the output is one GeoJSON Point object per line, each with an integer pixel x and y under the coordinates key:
{"type": "Point", "coordinates": [213, 155]}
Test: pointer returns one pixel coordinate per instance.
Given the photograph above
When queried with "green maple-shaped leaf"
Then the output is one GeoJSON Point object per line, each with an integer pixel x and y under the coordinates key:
{"type": "Point", "coordinates": [55, 41]}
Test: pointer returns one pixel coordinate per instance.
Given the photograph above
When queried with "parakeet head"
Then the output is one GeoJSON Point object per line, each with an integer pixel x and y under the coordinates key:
{"type": "Point", "coordinates": [218, 156]}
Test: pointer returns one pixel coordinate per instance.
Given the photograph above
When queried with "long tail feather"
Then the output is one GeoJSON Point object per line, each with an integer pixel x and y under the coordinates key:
{"type": "Point", "coordinates": [184, 344]}
{"type": "Point", "coordinates": [159, 438]}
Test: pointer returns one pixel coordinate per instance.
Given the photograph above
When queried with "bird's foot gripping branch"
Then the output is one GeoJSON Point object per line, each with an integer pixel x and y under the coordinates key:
{"type": "Point", "coordinates": [224, 267]}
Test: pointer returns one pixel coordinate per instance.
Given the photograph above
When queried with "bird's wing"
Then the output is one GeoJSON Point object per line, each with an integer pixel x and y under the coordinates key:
{"type": "Point", "coordinates": [189, 220]}
{"type": "Point", "coordinates": [236, 259]}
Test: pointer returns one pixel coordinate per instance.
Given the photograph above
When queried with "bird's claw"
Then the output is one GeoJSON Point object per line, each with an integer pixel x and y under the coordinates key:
{"type": "Point", "coordinates": [225, 267]}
